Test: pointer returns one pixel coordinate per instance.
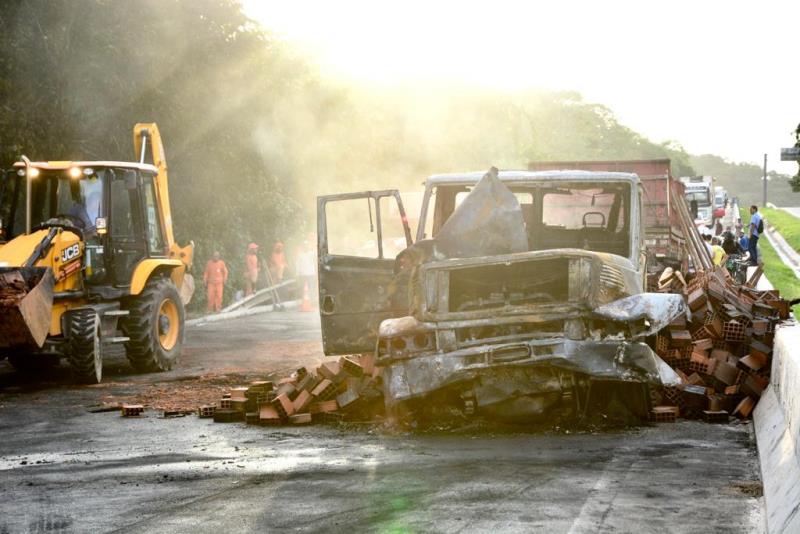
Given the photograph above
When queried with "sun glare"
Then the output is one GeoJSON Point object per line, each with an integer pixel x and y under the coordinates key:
{"type": "Point", "coordinates": [675, 73]}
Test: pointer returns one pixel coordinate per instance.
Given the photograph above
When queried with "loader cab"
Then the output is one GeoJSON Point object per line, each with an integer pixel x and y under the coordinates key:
{"type": "Point", "coordinates": [112, 207]}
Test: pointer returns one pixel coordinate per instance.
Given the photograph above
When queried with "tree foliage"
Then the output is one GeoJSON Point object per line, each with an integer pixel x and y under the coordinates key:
{"type": "Point", "coordinates": [252, 133]}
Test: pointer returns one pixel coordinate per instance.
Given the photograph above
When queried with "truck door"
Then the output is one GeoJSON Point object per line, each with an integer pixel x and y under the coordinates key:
{"type": "Point", "coordinates": [358, 237]}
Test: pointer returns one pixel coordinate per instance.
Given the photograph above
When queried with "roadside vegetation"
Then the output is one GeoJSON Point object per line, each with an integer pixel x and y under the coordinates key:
{"type": "Point", "coordinates": [786, 224]}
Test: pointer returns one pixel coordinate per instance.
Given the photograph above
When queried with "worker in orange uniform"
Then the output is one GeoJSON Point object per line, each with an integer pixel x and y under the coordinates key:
{"type": "Point", "coordinates": [215, 276]}
{"type": "Point", "coordinates": [251, 269]}
{"type": "Point", "coordinates": [277, 263]}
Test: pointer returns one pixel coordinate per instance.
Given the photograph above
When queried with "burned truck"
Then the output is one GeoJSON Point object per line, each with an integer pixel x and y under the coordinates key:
{"type": "Point", "coordinates": [521, 298]}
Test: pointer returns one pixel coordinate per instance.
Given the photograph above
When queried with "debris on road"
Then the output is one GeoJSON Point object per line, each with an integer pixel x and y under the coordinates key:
{"type": "Point", "coordinates": [132, 410]}
{"type": "Point", "coordinates": [336, 390]}
{"type": "Point", "coordinates": [723, 352]}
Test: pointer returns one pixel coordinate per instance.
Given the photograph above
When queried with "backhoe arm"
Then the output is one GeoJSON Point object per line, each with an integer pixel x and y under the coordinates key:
{"type": "Point", "coordinates": [144, 134]}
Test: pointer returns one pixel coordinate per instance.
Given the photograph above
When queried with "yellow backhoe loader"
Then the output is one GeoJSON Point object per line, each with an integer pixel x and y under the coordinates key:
{"type": "Point", "coordinates": [88, 260]}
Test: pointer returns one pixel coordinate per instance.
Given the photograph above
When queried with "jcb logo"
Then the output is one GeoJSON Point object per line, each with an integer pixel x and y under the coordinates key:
{"type": "Point", "coordinates": [70, 253]}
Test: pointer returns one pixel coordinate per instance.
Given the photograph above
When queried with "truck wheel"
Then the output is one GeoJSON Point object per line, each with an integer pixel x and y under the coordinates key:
{"type": "Point", "coordinates": [84, 354]}
{"type": "Point", "coordinates": [155, 326]}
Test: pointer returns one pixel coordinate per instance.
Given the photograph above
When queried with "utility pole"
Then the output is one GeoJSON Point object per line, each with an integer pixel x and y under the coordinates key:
{"type": "Point", "coordinates": [765, 181]}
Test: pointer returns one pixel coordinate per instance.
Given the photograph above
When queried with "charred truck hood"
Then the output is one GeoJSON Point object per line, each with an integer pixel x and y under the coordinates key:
{"type": "Point", "coordinates": [532, 323]}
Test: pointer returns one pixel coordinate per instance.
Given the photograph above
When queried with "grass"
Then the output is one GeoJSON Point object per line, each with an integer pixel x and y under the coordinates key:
{"type": "Point", "coordinates": [786, 224]}
{"type": "Point", "coordinates": [781, 276]}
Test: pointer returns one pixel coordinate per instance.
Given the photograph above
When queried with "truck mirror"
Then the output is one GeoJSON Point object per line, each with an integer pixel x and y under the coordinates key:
{"type": "Point", "coordinates": [131, 183]}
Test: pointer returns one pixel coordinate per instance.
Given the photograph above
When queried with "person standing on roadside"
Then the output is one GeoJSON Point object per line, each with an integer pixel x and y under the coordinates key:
{"type": "Point", "coordinates": [756, 227]}
{"type": "Point", "coordinates": [215, 277]}
{"type": "Point", "coordinates": [251, 269]}
{"type": "Point", "coordinates": [277, 263]}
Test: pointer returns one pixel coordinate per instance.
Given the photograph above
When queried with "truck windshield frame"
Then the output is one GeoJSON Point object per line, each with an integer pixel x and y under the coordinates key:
{"type": "Point", "coordinates": [608, 230]}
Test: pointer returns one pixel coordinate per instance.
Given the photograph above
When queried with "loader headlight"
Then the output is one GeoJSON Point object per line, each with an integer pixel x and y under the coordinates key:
{"type": "Point", "coordinates": [101, 225]}
{"type": "Point", "coordinates": [33, 172]}
{"type": "Point", "coordinates": [75, 172]}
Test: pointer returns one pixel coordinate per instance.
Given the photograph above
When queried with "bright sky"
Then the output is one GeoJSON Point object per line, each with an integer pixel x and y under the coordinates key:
{"type": "Point", "coordinates": [717, 76]}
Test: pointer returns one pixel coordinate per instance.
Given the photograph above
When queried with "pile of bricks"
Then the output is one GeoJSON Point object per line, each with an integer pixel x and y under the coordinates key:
{"type": "Point", "coordinates": [334, 391]}
{"type": "Point", "coordinates": [723, 352]}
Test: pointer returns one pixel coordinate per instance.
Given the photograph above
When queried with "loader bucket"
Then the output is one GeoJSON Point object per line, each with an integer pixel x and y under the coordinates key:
{"type": "Point", "coordinates": [26, 302]}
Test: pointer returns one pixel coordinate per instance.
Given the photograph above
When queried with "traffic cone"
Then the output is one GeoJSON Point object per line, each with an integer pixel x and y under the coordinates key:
{"type": "Point", "coordinates": [306, 304]}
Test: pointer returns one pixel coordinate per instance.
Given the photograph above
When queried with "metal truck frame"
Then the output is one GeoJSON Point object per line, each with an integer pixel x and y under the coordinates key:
{"type": "Point", "coordinates": [550, 330]}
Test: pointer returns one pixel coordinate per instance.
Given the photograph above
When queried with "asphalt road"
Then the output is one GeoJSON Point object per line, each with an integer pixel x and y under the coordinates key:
{"type": "Point", "coordinates": [64, 468]}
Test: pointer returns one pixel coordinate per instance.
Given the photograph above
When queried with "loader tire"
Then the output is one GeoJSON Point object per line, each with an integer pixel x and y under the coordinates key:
{"type": "Point", "coordinates": [154, 326]}
{"type": "Point", "coordinates": [84, 354]}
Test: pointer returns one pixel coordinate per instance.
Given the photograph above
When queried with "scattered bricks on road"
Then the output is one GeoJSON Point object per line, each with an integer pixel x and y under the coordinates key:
{"type": "Point", "coordinates": [752, 363]}
{"type": "Point", "coordinates": [262, 386]}
{"type": "Point", "coordinates": [131, 410]}
{"type": "Point", "coordinates": [239, 405]}
{"type": "Point", "coordinates": [351, 366]}
{"type": "Point", "coordinates": [725, 372]}
{"type": "Point", "coordinates": [302, 401]}
{"type": "Point", "coordinates": [760, 350]}
{"type": "Point", "coordinates": [732, 390]}
{"type": "Point", "coordinates": [307, 383]}
{"type": "Point", "coordinates": [705, 344]}
{"type": "Point", "coordinates": [238, 393]}
{"type": "Point", "coordinates": [228, 416]}
{"type": "Point", "coordinates": [368, 363]}
{"type": "Point", "coordinates": [348, 399]}
{"type": "Point", "coordinates": [206, 410]}
{"type": "Point", "coordinates": [251, 418]}
{"type": "Point", "coordinates": [662, 344]}
{"type": "Point", "coordinates": [680, 338]}
{"type": "Point", "coordinates": [696, 380]}
{"type": "Point", "coordinates": [673, 395]}
{"type": "Point", "coordinates": [225, 403]}
{"type": "Point", "coordinates": [760, 326]}
{"type": "Point", "coordinates": [664, 414]}
{"type": "Point", "coordinates": [324, 390]}
{"type": "Point", "coordinates": [713, 324]}
{"type": "Point", "coordinates": [283, 404]}
{"type": "Point", "coordinates": [679, 323]}
{"type": "Point", "coordinates": [721, 354]}
{"type": "Point", "coordinates": [300, 419]}
{"type": "Point", "coordinates": [744, 408]}
{"type": "Point", "coordinates": [782, 306]}
{"type": "Point", "coordinates": [754, 385]}
{"type": "Point", "coordinates": [332, 371]}
{"type": "Point", "coordinates": [674, 357]}
{"type": "Point", "coordinates": [733, 331]}
{"type": "Point", "coordinates": [763, 309]}
{"type": "Point", "coordinates": [715, 416]}
{"type": "Point", "coordinates": [324, 406]}
{"type": "Point", "coordinates": [697, 299]}
{"type": "Point", "coordinates": [289, 389]}
{"type": "Point", "coordinates": [694, 397]}
{"type": "Point", "coordinates": [268, 415]}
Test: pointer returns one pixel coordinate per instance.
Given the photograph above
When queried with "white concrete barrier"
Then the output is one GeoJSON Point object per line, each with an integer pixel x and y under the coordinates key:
{"type": "Point", "coordinates": [777, 426]}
